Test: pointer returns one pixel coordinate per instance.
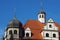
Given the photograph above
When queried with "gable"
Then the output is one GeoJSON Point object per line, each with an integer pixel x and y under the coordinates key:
{"type": "Point", "coordinates": [50, 20]}
{"type": "Point", "coordinates": [27, 29]}
{"type": "Point", "coordinates": [50, 26]}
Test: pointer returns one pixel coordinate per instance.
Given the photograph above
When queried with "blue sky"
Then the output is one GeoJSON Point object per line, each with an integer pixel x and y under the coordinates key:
{"type": "Point", "coordinates": [27, 9]}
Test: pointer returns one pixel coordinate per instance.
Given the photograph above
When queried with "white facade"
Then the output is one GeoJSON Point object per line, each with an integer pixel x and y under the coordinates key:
{"type": "Point", "coordinates": [27, 31]}
{"type": "Point", "coordinates": [50, 31]}
{"type": "Point", "coordinates": [41, 17]}
{"type": "Point", "coordinates": [14, 35]}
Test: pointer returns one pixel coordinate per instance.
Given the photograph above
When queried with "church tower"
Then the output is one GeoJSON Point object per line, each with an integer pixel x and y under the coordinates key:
{"type": "Point", "coordinates": [41, 14]}
{"type": "Point", "coordinates": [14, 30]}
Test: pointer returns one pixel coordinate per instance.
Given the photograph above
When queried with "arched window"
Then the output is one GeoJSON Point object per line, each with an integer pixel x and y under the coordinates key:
{"type": "Point", "coordinates": [15, 31]}
{"type": "Point", "coordinates": [27, 34]}
{"type": "Point", "coordinates": [50, 26]}
{"type": "Point", "coordinates": [10, 32]}
{"type": "Point", "coordinates": [54, 35]}
{"type": "Point", "coordinates": [42, 16]}
{"type": "Point", "coordinates": [47, 35]}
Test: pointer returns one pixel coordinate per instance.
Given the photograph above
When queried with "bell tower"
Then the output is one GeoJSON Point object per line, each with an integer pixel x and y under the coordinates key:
{"type": "Point", "coordinates": [14, 30]}
{"type": "Point", "coordinates": [41, 14]}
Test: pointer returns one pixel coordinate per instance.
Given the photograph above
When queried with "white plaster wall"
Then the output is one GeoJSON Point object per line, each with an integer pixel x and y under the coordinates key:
{"type": "Point", "coordinates": [42, 20]}
{"type": "Point", "coordinates": [14, 35]}
{"type": "Point", "coordinates": [27, 30]}
{"type": "Point", "coordinates": [48, 28]}
{"type": "Point", "coordinates": [57, 34]}
{"type": "Point", "coordinates": [50, 35]}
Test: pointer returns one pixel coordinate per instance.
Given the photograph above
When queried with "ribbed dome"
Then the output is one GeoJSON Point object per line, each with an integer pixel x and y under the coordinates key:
{"type": "Point", "coordinates": [14, 23]}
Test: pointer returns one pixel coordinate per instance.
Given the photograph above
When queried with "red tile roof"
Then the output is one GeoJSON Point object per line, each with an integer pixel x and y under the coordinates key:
{"type": "Point", "coordinates": [36, 28]}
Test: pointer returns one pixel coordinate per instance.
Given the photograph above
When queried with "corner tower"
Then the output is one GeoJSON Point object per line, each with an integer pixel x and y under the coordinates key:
{"type": "Point", "coordinates": [41, 14]}
{"type": "Point", "coordinates": [14, 30]}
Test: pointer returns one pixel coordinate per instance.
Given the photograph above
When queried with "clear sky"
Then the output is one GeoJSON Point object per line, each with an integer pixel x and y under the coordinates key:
{"type": "Point", "coordinates": [27, 9]}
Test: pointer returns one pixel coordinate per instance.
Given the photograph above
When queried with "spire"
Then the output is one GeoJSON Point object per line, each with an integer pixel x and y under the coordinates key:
{"type": "Point", "coordinates": [41, 14]}
{"type": "Point", "coordinates": [41, 11]}
{"type": "Point", "coordinates": [41, 8]}
{"type": "Point", "coordinates": [14, 13]}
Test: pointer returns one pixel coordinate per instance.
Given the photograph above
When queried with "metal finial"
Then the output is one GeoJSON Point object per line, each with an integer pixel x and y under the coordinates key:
{"type": "Point", "coordinates": [41, 8]}
{"type": "Point", "coordinates": [14, 13]}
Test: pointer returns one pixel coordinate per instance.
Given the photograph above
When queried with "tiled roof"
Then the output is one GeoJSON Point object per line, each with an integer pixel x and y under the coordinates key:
{"type": "Point", "coordinates": [36, 28]}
